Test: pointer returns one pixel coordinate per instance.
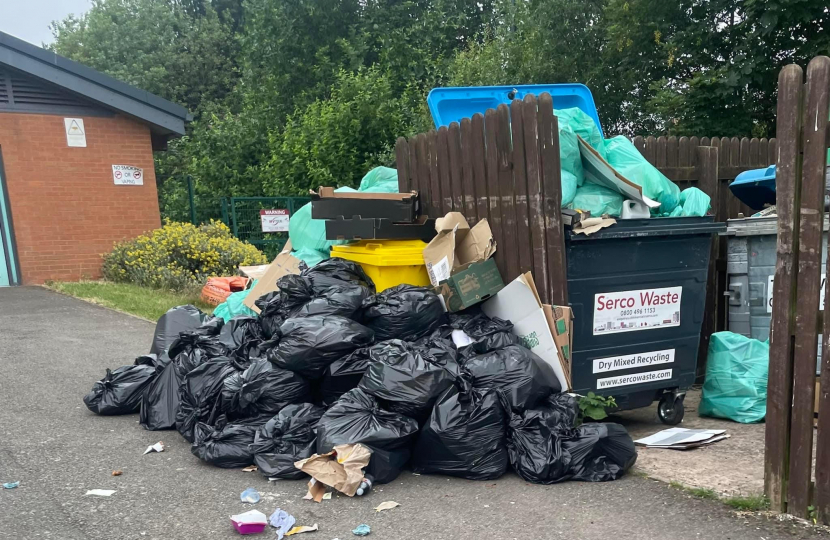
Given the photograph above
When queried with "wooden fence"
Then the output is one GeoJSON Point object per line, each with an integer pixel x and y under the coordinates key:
{"type": "Point", "coordinates": [801, 160]}
{"type": "Point", "coordinates": [502, 166]}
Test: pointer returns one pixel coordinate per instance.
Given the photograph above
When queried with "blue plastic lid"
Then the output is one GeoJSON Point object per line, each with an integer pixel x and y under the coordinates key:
{"type": "Point", "coordinates": [755, 188]}
{"type": "Point", "coordinates": [449, 105]}
{"type": "Point", "coordinates": [754, 176]}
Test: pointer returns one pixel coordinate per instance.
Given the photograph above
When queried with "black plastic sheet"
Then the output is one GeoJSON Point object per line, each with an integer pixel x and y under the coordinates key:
{"type": "Point", "coordinates": [286, 438]}
{"type": "Point", "coordinates": [408, 378]}
{"type": "Point", "coordinates": [120, 391]}
{"type": "Point", "coordinates": [308, 345]}
{"type": "Point", "coordinates": [465, 435]}
{"type": "Point", "coordinates": [599, 452]}
{"type": "Point", "coordinates": [344, 374]}
{"type": "Point", "coordinates": [403, 312]}
{"type": "Point", "coordinates": [262, 389]}
{"type": "Point", "coordinates": [357, 418]}
{"type": "Point", "coordinates": [199, 395]}
{"type": "Point", "coordinates": [171, 324]}
{"type": "Point", "coordinates": [517, 372]}
{"type": "Point", "coordinates": [226, 445]}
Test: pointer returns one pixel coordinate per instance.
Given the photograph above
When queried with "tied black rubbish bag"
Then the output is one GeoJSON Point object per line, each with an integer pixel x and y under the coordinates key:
{"type": "Point", "coordinates": [120, 391]}
{"type": "Point", "coordinates": [262, 389]}
{"type": "Point", "coordinates": [357, 418]}
{"type": "Point", "coordinates": [335, 271]}
{"type": "Point", "coordinates": [408, 378]}
{"type": "Point", "coordinates": [535, 448]}
{"type": "Point", "coordinates": [242, 336]}
{"type": "Point", "coordinates": [199, 394]}
{"type": "Point", "coordinates": [171, 324]}
{"type": "Point", "coordinates": [226, 445]}
{"type": "Point", "coordinates": [486, 334]}
{"type": "Point", "coordinates": [308, 345]}
{"type": "Point", "coordinates": [160, 401]}
{"type": "Point", "coordinates": [599, 452]}
{"type": "Point", "coordinates": [342, 299]}
{"type": "Point", "coordinates": [524, 378]}
{"type": "Point", "coordinates": [465, 435]}
{"type": "Point", "coordinates": [191, 349]}
{"type": "Point", "coordinates": [344, 374]}
{"type": "Point", "coordinates": [288, 437]}
{"type": "Point", "coordinates": [559, 411]}
{"type": "Point", "coordinates": [403, 312]}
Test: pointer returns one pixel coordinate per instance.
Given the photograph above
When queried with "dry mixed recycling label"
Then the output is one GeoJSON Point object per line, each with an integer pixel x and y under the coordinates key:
{"type": "Point", "coordinates": [769, 293]}
{"type": "Point", "coordinates": [628, 361]}
{"type": "Point", "coordinates": [75, 133]}
{"type": "Point", "coordinates": [127, 175]}
{"type": "Point", "coordinates": [634, 378]}
{"type": "Point", "coordinates": [629, 311]}
{"type": "Point", "coordinates": [274, 220]}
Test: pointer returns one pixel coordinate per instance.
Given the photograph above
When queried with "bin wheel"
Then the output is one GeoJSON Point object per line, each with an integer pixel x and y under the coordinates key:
{"type": "Point", "coordinates": [670, 409]}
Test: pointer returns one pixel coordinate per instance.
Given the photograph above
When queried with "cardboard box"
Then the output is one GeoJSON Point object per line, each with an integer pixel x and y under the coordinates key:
{"type": "Point", "coordinates": [601, 172]}
{"type": "Point", "coordinates": [326, 203]}
{"type": "Point", "coordinates": [283, 264]}
{"type": "Point", "coordinates": [561, 318]}
{"type": "Point", "coordinates": [370, 229]}
{"type": "Point", "coordinates": [456, 246]}
{"type": "Point", "coordinates": [473, 284]}
{"type": "Point", "coordinates": [534, 323]}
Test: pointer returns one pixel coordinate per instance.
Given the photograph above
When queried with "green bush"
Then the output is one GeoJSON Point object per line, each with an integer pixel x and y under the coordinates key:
{"type": "Point", "coordinates": [179, 256]}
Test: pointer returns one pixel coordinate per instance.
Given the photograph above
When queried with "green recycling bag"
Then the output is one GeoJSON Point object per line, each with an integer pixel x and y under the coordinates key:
{"type": "Point", "coordinates": [627, 160]}
{"type": "Point", "coordinates": [598, 200]}
{"type": "Point", "coordinates": [380, 180]}
{"type": "Point", "coordinates": [233, 306]}
{"type": "Point", "coordinates": [737, 368]}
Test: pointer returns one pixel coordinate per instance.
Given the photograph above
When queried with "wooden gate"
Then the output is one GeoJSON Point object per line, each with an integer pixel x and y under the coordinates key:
{"type": "Point", "coordinates": [802, 155]}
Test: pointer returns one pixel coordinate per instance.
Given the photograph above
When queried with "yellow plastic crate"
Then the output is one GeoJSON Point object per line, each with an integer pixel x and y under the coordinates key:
{"type": "Point", "coordinates": [388, 262]}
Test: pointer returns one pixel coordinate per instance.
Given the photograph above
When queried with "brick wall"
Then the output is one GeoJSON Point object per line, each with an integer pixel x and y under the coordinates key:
{"type": "Point", "coordinates": [66, 210]}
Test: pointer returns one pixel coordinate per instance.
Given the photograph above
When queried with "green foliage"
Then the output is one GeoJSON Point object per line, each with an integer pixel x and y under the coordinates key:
{"type": "Point", "coordinates": [594, 407]}
{"type": "Point", "coordinates": [179, 256]}
{"type": "Point", "coordinates": [750, 503]}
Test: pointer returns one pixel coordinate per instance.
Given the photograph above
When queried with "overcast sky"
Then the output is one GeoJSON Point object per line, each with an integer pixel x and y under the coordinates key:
{"type": "Point", "coordinates": [30, 19]}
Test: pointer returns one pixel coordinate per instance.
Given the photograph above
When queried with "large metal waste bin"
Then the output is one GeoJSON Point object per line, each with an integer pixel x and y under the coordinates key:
{"type": "Point", "coordinates": [638, 293]}
{"type": "Point", "coordinates": [750, 269]}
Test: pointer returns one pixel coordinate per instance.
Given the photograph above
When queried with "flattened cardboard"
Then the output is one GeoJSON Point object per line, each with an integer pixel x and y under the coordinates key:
{"type": "Point", "coordinates": [371, 229]}
{"type": "Point", "coordinates": [254, 272]}
{"type": "Point", "coordinates": [591, 225]}
{"type": "Point", "coordinates": [534, 333]}
{"type": "Point", "coordinates": [562, 319]}
{"type": "Point", "coordinates": [397, 207]}
{"type": "Point", "coordinates": [602, 173]}
{"type": "Point", "coordinates": [283, 264]}
{"type": "Point", "coordinates": [342, 469]}
{"type": "Point", "coordinates": [513, 303]}
{"type": "Point", "coordinates": [470, 285]}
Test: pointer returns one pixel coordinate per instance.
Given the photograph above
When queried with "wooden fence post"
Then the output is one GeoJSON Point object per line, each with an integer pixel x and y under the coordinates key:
{"type": "Point", "coordinates": [779, 389]}
{"type": "Point", "coordinates": [707, 170]}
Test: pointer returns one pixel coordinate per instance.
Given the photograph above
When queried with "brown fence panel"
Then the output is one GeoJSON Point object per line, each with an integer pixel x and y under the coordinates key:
{"type": "Point", "coordinates": [813, 165]}
{"type": "Point", "coordinates": [497, 225]}
{"type": "Point", "coordinates": [467, 173]}
{"type": "Point", "coordinates": [536, 213]}
{"type": "Point", "coordinates": [456, 174]}
{"type": "Point", "coordinates": [520, 186]}
{"type": "Point", "coordinates": [476, 145]}
{"type": "Point", "coordinates": [552, 197]}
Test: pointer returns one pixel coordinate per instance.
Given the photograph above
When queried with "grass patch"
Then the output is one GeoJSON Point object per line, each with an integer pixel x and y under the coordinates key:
{"type": "Point", "coordinates": [148, 303]}
{"type": "Point", "coordinates": [752, 503]}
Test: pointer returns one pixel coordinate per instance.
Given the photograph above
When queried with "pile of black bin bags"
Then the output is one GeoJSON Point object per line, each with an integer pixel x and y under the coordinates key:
{"type": "Point", "coordinates": [329, 362]}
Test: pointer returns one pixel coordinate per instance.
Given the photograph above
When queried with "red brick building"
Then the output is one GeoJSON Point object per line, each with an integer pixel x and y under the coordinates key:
{"type": "Point", "coordinates": [76, 163]}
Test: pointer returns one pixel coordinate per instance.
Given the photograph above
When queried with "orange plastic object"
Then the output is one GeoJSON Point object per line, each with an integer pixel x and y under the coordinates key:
{"type": "Point", "coordinates": [217, 289]}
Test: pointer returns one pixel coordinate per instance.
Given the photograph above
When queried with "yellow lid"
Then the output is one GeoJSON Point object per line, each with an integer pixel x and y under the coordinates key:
{"type": "Point", "coordinates": [382, 252]}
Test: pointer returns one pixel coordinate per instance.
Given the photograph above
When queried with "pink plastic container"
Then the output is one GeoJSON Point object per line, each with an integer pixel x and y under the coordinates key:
{"type": "Point", "coordinates": [253, 522]}
{"type": "Point", "coordinates": [249, 528]}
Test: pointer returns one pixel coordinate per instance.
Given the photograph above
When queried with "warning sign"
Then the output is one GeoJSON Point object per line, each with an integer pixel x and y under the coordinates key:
{"type": "Point", "coordinates": [771, 280]}
{"type": "Point", "coordinates": [127, 175]}
{"type": "Point", "coordinates": [75, 133]}
{"type": "Point", "coordinates": [274, 220]}
{"type": "Point", "coordinates": [630, 311]}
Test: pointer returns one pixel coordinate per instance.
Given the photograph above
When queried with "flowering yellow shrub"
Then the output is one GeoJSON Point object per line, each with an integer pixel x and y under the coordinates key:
{"type": "Point", "coordinates": [179, 256]}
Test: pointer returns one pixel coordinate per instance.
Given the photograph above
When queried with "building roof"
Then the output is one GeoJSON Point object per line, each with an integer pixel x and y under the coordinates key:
{"type": "Point", "coordinates": [165, 118]}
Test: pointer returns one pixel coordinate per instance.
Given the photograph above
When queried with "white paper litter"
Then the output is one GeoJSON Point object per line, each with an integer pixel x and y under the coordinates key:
{"type": "Point", "coordinates": [158, 447]}
{"type": "Point", "coordinates": [100, 492]}
{"type": "Point", "coordinates": [682, 438]}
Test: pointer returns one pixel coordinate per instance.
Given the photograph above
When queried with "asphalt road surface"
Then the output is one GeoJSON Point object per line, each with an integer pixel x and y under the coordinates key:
{"type": "Point", "coordinates": [52, 349]}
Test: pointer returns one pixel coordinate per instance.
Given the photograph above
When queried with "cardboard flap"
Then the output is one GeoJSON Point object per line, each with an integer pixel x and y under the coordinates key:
{"type": "Point", "coordinates": [515, 301]}
{"type": "Point", "coordinates": [601, 172]}
{"type": "Point", "coordinates": [453, 221]}
{"type": "Point", "coordinates": [284, 263]}
{"type": "Point", "coordinates": [477, 245]}
{"type": "Point", "coordinates": [330, 193]}
{"type": "Point", "coordinates": [439, 256]}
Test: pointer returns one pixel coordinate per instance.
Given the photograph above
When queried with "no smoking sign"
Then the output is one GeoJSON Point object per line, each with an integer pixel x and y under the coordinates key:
{"type": "Point", "coordinates": [127, 175]}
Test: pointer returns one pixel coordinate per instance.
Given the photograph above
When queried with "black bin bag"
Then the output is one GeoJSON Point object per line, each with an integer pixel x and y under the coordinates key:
{"type": "Point", "coordinates": [241, 336]}
{"type": "Point", "coordinates": [308, 345]}
{"type": "Point", "coordinates": [192, 349]}
{"type": "Point", "coordinates": [344, 374]}
{"type": "Point", "coordinates": [403, 312]}
{"type": "Point", "coordinates": [486, 334]}
{"type": "Point", "coordinates": [599, 452]}
{"type": "Point", "coordinates": [171, 324]}
{"type": "Point", "coordinates": [465, 435]}
{"type": "Point", "coordinates": [120, 391]}
{"type": "Point", "coordinates": [226, 445]}
{"type": "Point", "coordinates": [160, 401]}
{"type": "Point", "coordinates": [262, 389]}
{"type": "Point", "coordinates": [357, 418]}
{"type": "Point", "coordinates": [344, 299]}
{"type": "Point", "coordinates": [535, 448]}
{"type": "Point", "coordinates": [524, 378]}
{"type": "Point", "coordinates": [335, 271]}
{"type": "Point", "coordinates": [199, 395]}
{"type": "Point", "coordinates": [286, 438]}
{"type": "Point", "coordinates": [407, 378]}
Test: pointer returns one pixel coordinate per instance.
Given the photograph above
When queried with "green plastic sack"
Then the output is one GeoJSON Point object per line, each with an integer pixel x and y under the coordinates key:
{"type": "Point", "coordinates": [737, 368]}
{"type": "Point", "coordinates": [233, 306]}
{"type": "Point", "coordinates": [627, 160]}
{"type": "Point", "coordinates": [306, 233]}
{"type": "Point", "coordinates": [694, 202]}
{"type": "Point", "coordinates": [598, 200]}
{"type": "Point", "coordinates": [380, 180]}
{"type": "Point", "coordinates": [310, 256]}
{"type": "Point", "coordinates": [583, 125]}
